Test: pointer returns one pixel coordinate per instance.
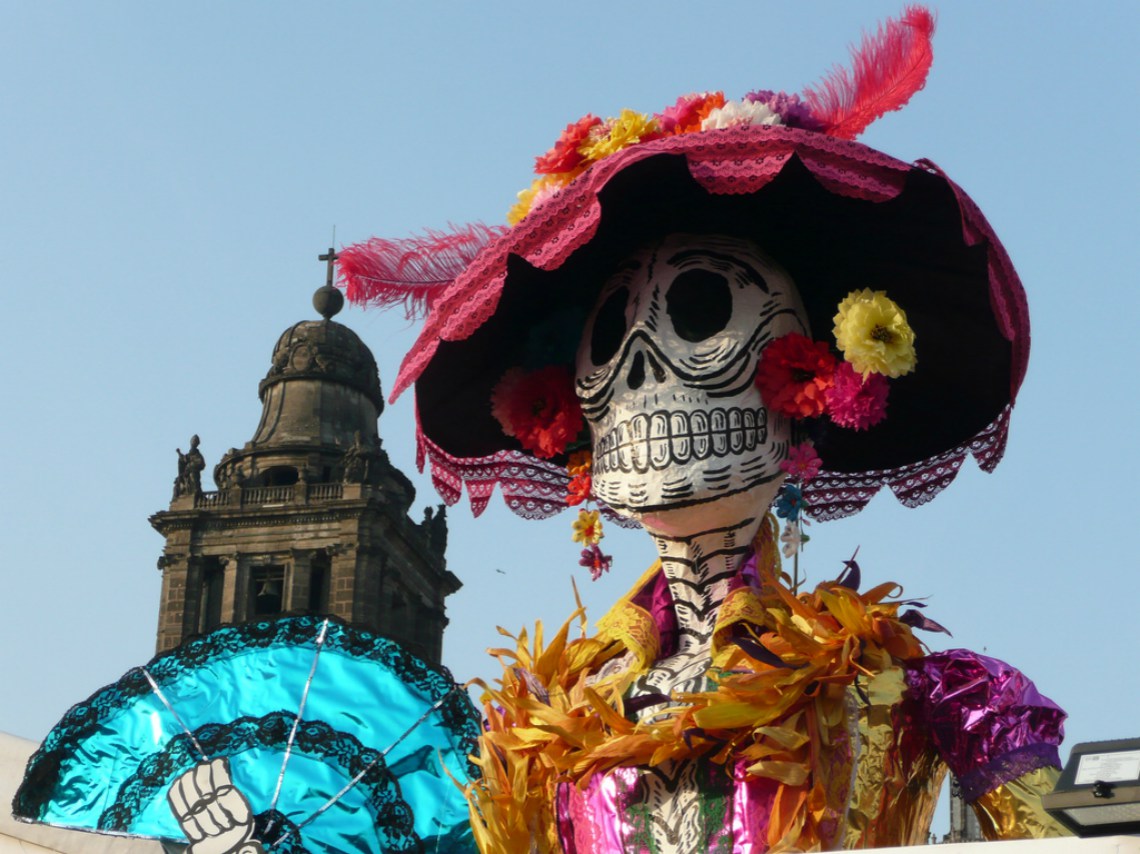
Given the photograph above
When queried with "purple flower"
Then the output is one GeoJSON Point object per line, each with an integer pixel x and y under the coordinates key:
{"type": "Point", "coordinates": [596, 561]}
{"type": "Point", "coordinates": [790, 108]}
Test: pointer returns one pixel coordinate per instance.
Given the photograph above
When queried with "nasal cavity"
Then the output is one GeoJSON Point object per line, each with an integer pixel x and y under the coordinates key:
{"type": "Point", "coordinates": [636, 372]}
{"type": "Point", "coordinates": [636, 377]}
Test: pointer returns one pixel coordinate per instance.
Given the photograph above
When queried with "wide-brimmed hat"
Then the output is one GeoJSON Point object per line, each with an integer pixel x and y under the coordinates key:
{"type": "Point", "coordinates": [782, 172]}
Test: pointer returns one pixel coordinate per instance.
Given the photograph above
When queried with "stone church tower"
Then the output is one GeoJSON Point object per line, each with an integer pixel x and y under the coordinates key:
{"type": "Point", "coordinates": [309, 516]}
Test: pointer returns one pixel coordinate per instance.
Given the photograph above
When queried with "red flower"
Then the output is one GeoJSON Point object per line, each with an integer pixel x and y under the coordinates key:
{"type": "Point", "coordinates": [794, 375]}
{"type": "Point", "coordinates": [579, 489]}
{"type": "Point", "coordinates": [857, 401]}
{"type": "Point", "coordinates": [540, 409]}
{"type": "Point", "coordinates": [564, 156]}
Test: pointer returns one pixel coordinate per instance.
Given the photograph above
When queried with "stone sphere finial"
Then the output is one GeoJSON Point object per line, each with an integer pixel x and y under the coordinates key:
{"type": "Point", "coordinates": [328, 300]}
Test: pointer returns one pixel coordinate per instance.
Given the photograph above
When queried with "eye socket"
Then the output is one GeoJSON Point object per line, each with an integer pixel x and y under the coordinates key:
{"type": "Point", "coordinates": [699, 303]}
{"type": "Point", "coordinates": [609, 327]}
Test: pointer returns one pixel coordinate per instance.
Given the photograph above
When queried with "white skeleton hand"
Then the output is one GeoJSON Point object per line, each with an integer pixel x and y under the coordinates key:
{"type": "Point", "coordinates": [214, 815]}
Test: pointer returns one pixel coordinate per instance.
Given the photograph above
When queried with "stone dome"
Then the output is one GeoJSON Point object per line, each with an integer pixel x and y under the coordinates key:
{"type": "Point", "coordinates": [321, 401]}
{"type": "Point", "coordinates": [327, 351]}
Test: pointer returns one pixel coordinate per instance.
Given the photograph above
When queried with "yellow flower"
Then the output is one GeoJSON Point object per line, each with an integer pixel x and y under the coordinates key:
{"type": "Point", "coordinates": [627, 129]}
{"type": "Point", "coordinates": [587, 528]}
{"type": "Point", "coordinates": [604, 139]}
{"type": "Point", "coordinates": [873, 334]}
{"type": "Point", "coordinates": [543, 186]}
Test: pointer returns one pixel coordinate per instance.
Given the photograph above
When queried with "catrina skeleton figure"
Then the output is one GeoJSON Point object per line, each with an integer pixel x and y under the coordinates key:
{"type": "Point", "coordinates": [697, 317]}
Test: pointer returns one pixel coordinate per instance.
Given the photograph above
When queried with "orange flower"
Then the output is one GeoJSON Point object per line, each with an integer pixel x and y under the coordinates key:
{"type": "Point", "coordinates": [580, 463]}
{"type": "Point", "coordinates": [579, 489]}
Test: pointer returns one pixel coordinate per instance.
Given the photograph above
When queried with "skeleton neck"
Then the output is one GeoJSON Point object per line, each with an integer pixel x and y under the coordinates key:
{"type": "Point", "coordinates": [699, 568]}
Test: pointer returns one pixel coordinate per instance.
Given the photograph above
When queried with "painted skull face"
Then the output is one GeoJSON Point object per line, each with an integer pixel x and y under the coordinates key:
{"type": "Point", "coordinates": [665, 374]}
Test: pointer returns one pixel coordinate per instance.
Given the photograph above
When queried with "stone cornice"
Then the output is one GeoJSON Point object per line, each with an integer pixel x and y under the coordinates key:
{"type": "Point", "coordinates": [268, 516]}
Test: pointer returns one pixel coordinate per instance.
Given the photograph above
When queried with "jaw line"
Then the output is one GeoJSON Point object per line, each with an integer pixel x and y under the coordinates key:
{"type": "Point", "coordinates": [640, 511]}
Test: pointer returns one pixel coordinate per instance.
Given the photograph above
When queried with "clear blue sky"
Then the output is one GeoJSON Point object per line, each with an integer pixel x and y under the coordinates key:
{"type": "Point", "coordinates": [171, 171]}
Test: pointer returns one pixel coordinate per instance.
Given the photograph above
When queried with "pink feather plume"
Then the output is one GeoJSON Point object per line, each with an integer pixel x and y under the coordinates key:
{"type": "Point", "coordinates": [413, 271]}
{"type": "Point", "coordinates": [887, 69]}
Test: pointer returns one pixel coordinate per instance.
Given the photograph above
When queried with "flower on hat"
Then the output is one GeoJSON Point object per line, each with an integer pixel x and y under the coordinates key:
{"type": "Point", "coordinates": [587, 528]}
{"type": "Point", "coordinates": [689, 112]}
{"type": "Point", "coordinates": [538, 408]}
{"type": "Point", "coordinates": [613, 135]}
{"type": "Point", "coordinates": [888, 68]}
{"type": "Point", "coordinates": [541, 189]}
{"type": "Point", "coordinates": [802, 462]}
{"type": "Point", "coordinates": [792, 109]}
{"type": "Point", "coordinates": [800, 378]}
{"type": "Point", "coordinates": [873, 334]}
{"type": "Point", "coordinates": [736, 113]}
{"type": "Point", "coordinates": [855, 400]}
{"type": "Point", "coordinates": [565, 156]}
{"type": "Point", "coordinates": [794, 374]}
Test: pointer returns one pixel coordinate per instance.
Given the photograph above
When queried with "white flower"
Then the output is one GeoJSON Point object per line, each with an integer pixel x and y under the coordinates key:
{"type": "Point", "coordinates": [791, 537]}
{"type": "Point", "coordinates": [736, 113]}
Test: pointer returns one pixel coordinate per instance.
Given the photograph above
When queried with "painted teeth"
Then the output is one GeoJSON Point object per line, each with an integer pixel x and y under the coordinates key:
{"type": "Point", "coordinates": [663, 439]}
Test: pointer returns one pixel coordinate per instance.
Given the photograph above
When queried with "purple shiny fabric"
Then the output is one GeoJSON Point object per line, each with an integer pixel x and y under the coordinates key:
{"type": "Point", "coordinates": [986, 718]}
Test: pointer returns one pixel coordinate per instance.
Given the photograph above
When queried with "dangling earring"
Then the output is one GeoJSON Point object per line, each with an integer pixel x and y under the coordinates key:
{"type": "Point", "coordinates": [587, 528]}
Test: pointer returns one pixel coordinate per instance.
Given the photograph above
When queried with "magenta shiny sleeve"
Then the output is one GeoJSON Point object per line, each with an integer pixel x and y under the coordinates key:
{"type": "Point", "coordinates": [985, 718]}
